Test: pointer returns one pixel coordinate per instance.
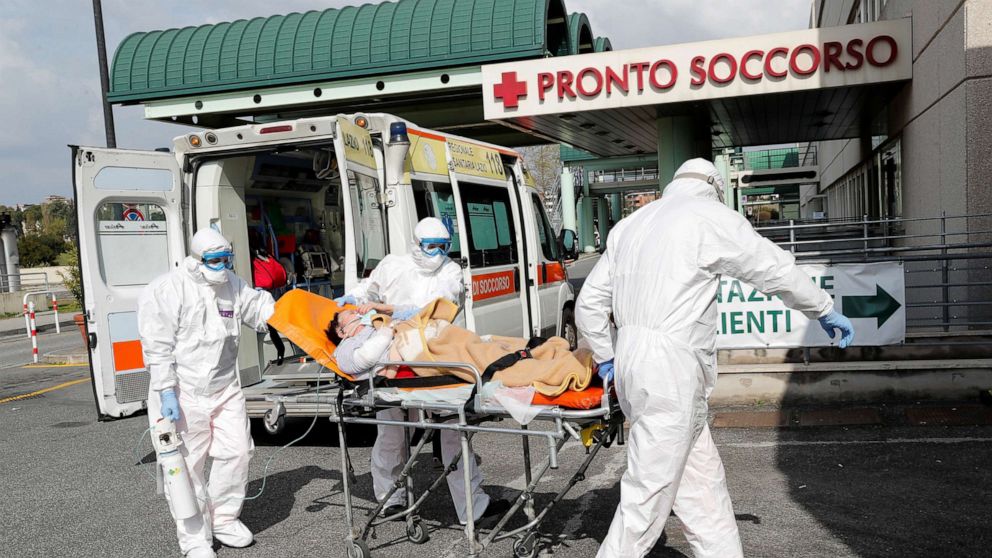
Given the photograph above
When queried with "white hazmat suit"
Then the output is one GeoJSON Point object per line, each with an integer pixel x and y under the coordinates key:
{"type": "Point", "coordinates": [416, 279]}
{"type": "Point", "coordinates": [190, 321]}
{"type": "Point", "coordinates": [659, 277]}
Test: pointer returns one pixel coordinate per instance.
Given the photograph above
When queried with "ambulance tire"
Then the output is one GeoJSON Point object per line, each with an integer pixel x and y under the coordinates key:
{"type": "Point", "coordinates": [568, 330]}
{"type": "Point", "coordinates": [358, 549]}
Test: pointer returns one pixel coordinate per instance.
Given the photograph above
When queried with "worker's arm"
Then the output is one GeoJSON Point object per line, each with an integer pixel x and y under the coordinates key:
{"type": "Point", "coordinates": [733, 248]}
{"type": "Point", "coordinates": [593, 308]}
{"type": "Point", "coordinates": [158, 323]}
{"type": "Point", "coordinates": [257, 306]}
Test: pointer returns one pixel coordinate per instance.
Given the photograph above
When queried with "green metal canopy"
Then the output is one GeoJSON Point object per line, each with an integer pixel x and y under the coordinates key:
{"type": "Point", "coordinates": [373, 39]}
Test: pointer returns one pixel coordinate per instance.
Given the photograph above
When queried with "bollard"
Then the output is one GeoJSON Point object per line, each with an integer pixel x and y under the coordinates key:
{"type": "Point", "coordinates": [55, 306]}
{"type": "Point", "coordinates": [34, 333]}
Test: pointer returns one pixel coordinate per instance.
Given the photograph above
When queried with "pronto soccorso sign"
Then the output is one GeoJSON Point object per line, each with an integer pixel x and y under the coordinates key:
{"type": "Point", "coordinates": [782, 62]}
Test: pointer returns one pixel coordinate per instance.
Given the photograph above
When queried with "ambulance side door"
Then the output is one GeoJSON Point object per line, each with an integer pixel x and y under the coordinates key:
{"type": "Point", "coordinates": [492, 241]}
{"type": "Point", "coordinates": [549, 280]}
{"type": "Point", "coordinates": [129, 210]}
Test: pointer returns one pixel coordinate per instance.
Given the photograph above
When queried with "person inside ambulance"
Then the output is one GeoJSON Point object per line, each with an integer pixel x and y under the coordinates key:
{"type": "Point", "coordinates": [408, 282]}
{"type": "Point", "coordinates": [189, 321]}
{"type": "Point", "coordinates": [658, 280]}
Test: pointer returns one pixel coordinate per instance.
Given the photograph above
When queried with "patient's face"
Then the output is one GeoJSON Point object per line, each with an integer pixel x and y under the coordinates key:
{"type": "Point", "coordinates": [348, 323]}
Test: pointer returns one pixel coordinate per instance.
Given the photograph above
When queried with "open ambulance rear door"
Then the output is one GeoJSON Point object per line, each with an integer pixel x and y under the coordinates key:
{"type": "Point", "coordinates": [129, 210]}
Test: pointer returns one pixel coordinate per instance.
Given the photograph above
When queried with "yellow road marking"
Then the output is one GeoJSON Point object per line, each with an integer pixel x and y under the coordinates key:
{"type": "Point", "coordinates": [46, 390]}
{"type": "Point", "coordinates": [63, 365]}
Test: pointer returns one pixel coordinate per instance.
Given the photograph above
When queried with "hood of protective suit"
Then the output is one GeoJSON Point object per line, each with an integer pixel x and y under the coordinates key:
{"type": "Point", "coordinates": [429, 227]}
{"type": "Point", "coordinates": [698, 178]}
{"type": "Point", "coordinates": [206, 241]}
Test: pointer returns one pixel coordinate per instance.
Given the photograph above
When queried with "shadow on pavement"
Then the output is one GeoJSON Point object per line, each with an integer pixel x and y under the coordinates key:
{"type": "Point", "coordinates": [276, 503]}
{"type": "Point", "coordinates": [900, 499]}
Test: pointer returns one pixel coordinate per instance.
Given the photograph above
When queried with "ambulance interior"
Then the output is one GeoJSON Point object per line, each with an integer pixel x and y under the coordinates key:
{"type": "Point", "coordinates": [289, 202]}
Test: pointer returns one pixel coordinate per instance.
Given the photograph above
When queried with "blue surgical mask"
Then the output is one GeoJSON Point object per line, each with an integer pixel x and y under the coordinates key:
{"type": "Point", "coordinates": [366, 319]}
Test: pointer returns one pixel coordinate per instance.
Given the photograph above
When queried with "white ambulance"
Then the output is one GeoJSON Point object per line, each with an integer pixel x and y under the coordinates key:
{"type": "Point", "coordinates": [329, 196]}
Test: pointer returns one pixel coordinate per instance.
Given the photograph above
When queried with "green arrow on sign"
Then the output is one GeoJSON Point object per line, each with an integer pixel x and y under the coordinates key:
{"type": "Point", "coordinates": [881, 305]}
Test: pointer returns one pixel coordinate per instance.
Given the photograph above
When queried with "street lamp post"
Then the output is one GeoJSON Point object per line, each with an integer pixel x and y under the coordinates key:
{"type": "Point", "coordinates": [101, 51]}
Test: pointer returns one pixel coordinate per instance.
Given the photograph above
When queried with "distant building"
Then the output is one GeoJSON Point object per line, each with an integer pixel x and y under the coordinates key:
{"type": "Point", "coordinates": [53, 199]}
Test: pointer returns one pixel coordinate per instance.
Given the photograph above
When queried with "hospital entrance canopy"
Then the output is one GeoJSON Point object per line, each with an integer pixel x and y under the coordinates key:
{"type": "Point", "coordinates": [514, 73]}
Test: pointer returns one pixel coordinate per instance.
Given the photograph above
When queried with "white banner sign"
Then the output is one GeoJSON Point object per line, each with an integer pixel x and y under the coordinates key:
{"type": "Point", "coordinates": [872, 295]}
{"type": "Point", "coordinates": [841, 56]}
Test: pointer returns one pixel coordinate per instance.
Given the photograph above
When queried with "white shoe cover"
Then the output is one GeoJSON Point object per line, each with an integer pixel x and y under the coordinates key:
{"type": "Point", "coordinates": [234, 534]}
{"type": "Point", "coordinates": [201, 552]}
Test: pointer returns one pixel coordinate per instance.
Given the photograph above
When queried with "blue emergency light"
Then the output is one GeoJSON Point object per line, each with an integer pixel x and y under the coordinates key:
{"type": "Point", "coordinates": [397, 133]}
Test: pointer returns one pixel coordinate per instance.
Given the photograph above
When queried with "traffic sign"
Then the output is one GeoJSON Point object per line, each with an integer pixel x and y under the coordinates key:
{"type": "Point", "coordinates": [872, 295]}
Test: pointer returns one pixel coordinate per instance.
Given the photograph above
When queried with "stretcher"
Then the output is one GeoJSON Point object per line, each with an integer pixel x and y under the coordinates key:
{"type": "Point", "coordinates": [460, 407]}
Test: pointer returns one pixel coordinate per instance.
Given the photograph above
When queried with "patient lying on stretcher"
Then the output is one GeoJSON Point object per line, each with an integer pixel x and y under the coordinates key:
{"type": "Point", "coordinates": [365, 338]}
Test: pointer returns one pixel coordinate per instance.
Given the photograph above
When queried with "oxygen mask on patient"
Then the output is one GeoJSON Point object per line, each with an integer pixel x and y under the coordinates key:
{"type": "Point", "coordinates": [366, 318]}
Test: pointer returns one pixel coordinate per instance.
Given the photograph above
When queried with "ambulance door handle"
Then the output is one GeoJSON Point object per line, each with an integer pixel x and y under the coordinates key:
{"type": "Point", "coordinates": [92, 338]}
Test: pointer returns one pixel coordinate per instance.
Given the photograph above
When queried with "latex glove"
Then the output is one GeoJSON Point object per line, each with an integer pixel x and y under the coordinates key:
{"type": "Point", "coordinates": [401, 315]}
{"type": "Point", "coordinates": [170, 405]}
{"type": "Point", "coordinates": [836, 320]}
{"type": "Point", "coordinates": [345, 299]}
{"type": "Point", "coordinates": [605, 371]}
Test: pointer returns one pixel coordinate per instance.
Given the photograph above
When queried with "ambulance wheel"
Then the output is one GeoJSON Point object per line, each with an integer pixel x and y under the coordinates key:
{"type": "Point", "coordinates": [416, 533]}
{"type": "Point", "coordinates": [359, 549]}
{"type": "Point", "coordinates": [526, 547]}
{"type": "Point", "coordinates": [273, 429]}
{"type": "Point", "coordinates": [568, 329]}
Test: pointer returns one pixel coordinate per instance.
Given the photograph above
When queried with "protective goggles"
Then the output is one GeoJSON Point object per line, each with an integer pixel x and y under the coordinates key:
{"type": "Point", "coordinates": [435, 246]}
{"type": "Point", "coordinates": [216, 261]}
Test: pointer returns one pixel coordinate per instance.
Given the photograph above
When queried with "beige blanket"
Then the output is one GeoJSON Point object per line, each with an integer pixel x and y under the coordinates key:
{"type": "Point", "coordinates": [429, 336]}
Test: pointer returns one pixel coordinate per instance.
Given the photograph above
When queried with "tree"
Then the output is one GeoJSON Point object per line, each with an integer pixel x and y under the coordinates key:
{"type": "Point", "coordinates": [72, 280]}
{"type": "Point", "coordinates": [544, 164]}
{"type": "Point", "coordinates": [40, 249]}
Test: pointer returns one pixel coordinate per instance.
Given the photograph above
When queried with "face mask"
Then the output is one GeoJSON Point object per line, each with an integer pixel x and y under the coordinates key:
{"type": "Point", "coordinates": [366, 319]}
{"type": "Point", "coordinates": [214, 276]}
{"type": "Point", "coordinates": [426, 262]}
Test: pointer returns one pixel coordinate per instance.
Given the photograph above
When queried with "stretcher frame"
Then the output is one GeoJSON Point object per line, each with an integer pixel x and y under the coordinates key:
{"type": "Point", "coordinates": [353, 405]}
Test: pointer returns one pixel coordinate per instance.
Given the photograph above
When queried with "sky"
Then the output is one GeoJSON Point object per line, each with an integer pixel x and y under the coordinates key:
{"type": "Point", "coordinates": [50, 82]}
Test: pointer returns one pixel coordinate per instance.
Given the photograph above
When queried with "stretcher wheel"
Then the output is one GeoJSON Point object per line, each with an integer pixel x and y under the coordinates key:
{"type": "Point", "coordinates": [358, 549]}
{"type": "Point", "coordinates": [416, 533]}
{"type": "Point", "coordinates": [526, 547]}
{"type": "Point", "coordinates": [271, 427]}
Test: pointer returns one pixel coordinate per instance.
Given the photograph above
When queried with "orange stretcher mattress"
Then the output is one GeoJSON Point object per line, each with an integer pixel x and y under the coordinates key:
{"type": "Point", "coordinates": [588, 398]}
{"type": "Point", "coordinates": [302, 317]}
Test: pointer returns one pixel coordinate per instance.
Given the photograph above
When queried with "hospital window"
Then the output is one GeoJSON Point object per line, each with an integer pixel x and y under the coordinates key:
{"type": "Point", "coordinates": [366, 212]}
{"type": "Point", "coordinates": [545, 233]}
{"type": "Point", "coordinates": [126, 230]}
{"type": "Point", "coordinates": [436, 199]}
{"type": "Point", "coordinates": [490, 225]}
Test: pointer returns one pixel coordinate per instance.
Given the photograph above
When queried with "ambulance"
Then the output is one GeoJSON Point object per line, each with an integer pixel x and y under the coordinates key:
{"type": "Point", "coordinates": [328, 197]}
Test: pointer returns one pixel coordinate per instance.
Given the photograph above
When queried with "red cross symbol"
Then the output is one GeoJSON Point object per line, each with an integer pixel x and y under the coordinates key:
{"type": "Point", "coordinates": [510, 90]}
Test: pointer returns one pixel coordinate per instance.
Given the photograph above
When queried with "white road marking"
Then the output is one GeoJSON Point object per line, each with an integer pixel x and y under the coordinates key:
{"type": "Point", "coordinates": [772, 444]}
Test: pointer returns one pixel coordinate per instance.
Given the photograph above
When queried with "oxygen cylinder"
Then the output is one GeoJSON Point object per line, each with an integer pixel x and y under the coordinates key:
{"type": "Point", "coordinates": [174, 472]}
{"type": "Point", "coordinates": [178, 485]}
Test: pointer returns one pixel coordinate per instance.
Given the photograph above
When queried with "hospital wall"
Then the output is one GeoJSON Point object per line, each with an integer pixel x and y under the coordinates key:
{"type": "Point", "coordinates": [942, 121]}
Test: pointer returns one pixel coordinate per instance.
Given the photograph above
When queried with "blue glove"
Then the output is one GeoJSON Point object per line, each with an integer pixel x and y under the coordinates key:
{"type": "Point", "coordinates": [605, 371]}
{"type": "Point", "coordinates": [403, 314]}
{"type": "Point", "coordinates": [345, 299]}
{"type": "Point", "coordinates": [836, 320]}
{"type": "Point", "coordinates": [170, 405]}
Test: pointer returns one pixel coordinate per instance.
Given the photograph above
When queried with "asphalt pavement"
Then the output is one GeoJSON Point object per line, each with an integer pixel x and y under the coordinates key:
{"type": "Point", "coordinates": [77, 487]}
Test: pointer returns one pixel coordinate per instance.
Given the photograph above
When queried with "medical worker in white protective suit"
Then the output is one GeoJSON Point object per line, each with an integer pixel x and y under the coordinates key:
{"type": "Point", "coordinates": [190, 321]}
{"type": "Point", "coordinates": [408, 282]}
{"type": "Point", "coordinates": [659, 277]}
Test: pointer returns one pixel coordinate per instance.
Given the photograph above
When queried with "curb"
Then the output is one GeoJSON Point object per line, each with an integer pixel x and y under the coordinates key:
{"type": "Point", "coordinates": [65, 358]}
{"type": "Point", "coordinates": [41, 328]}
